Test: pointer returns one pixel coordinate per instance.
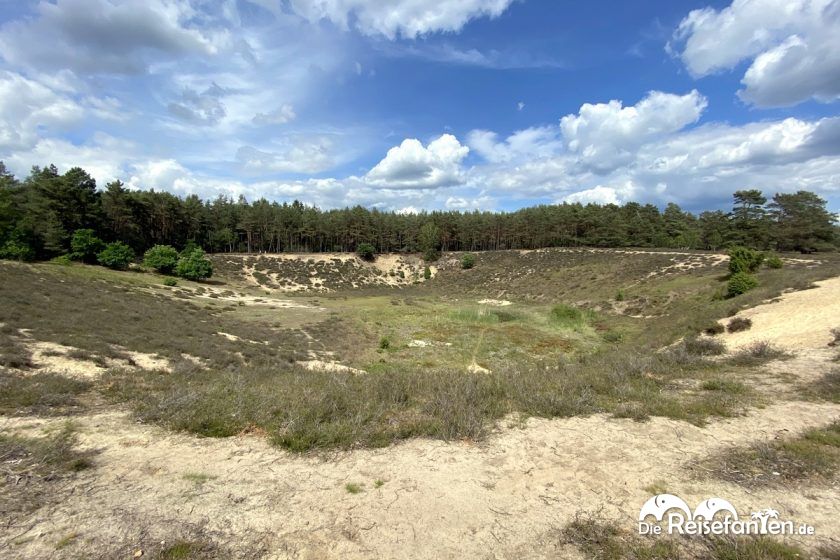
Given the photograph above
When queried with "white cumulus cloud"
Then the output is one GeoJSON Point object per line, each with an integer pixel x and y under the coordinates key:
{"type": "Point", "coordinates": [606, 135]}
{"type": "Point", "coordinates": [793, 47]}
{"type": "Point", "coordinates": [414, 166]}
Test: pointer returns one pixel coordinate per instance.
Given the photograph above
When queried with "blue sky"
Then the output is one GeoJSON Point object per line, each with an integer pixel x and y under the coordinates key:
{"type": "Point", "coordinates": [413, 104]}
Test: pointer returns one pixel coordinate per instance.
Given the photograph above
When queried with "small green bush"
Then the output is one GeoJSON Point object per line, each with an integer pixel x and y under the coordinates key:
{"type": "Point", "coordinates": [468, 261]}
{"type": "Point", "coordinates": [85, 245]}
{"type": "Point", "coordinates": [116, 255]}
{"type": "Point", "coordinates": [170, 282]}
{"type": "Point", "coordinates": [774, 261]}
{"type": "Point", "coordinates": [427, 273]}
{"type": "Point", "coordinates": [16, 250]}
{"type": "Point", "coordinates": [384, 343]}
{"type": "Point", "coordinates": [366, 252]}
{"type": "Point", "coordinates": [742, 259]}
{"type": "Point", "coordinates": [740, 283]}
{"type": "Point", "coordinates": [739, 324]}
{"type": "Point", "coordinates": [163, 258]}
{"type": "Point", "coordinates": [194, 266]}
{"type": "Point", "coordinates": [619, 295]}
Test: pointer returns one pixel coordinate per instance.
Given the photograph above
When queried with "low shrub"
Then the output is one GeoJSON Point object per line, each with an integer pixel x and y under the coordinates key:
{"type": "Point", "coordinates": [714, 328]}
{"type": "Point", "coordinates": [739, 324]}
{"type": "Point", "coordinates": [740, 283]}
{"type": "Point", "coordinates": [85, 245]}
{"type": "Point", "coordinates": [170, 282]}
{"type": "Point", "coordinates": [194, 266]}
{"type": "Point", "coordinates": [366, 252]}
{"type": "Point", "coordinates": [162, 258]}
{"type": "Point", "coordinates": [742, 259]}
{"type": "Point", "coordinates": [427, 273]}
{"type": "Point", "coordinates": [697, 346]}
{"type": "Point", "coordinates": [15, 250]}
{"type": "Point", "coordinates": [758, 353]}
{"type": "Point", "coordinates": [468, 261]}
{"type": "Point", "coordinates": [774, 262]}
{"type": "Point", "coordinates": [116, 255]}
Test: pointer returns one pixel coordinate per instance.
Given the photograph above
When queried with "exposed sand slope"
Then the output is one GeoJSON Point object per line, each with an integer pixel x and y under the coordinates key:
{"type": "Point", "coordinates": [796, 321]}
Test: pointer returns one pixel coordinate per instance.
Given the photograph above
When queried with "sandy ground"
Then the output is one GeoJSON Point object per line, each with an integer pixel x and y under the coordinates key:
{"type": "Point", "coordinates": [505, 498]}
{"type": "Point", "coordinates": [796, 321]}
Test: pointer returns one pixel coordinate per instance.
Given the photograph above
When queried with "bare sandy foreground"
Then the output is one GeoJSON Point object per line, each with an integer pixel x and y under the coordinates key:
{"type": "Point", "coordinates": [505, 498]}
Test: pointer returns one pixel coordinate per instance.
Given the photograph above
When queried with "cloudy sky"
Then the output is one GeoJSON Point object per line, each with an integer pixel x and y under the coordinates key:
{"type": "Point", "coordinates": [411, 104]}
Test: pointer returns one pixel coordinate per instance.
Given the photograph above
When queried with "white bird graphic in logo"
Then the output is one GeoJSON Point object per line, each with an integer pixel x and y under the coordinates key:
{"type": "Point", "coordinates": [707, 509]}
{"type": "Point", "coordinates": [658, 505]}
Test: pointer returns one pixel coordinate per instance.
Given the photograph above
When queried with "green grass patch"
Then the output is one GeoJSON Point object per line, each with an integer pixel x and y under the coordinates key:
{"type": "Point", "coordinates": [354, 487]}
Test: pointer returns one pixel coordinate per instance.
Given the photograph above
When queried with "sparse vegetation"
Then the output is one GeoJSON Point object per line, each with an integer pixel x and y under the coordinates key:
{"type": "Point", "coordinates": [41, 393]}
{"type": "Point", "coordinates": [354, 487]}
{"type": "Point", "coordinates": [814, 456]}
{"type": "Point", "coordinates": [599, 538]}
{"type": "Point", "coordinates": [42, 461]}
{"type": "Point", "coordinates": [739, 324]}
{"type": "Point", "coordinates": [757, 353]}
{"type": "Point", "coordinates": [714, 329]}
{"type": "Point", "coordinates": [700, 346]}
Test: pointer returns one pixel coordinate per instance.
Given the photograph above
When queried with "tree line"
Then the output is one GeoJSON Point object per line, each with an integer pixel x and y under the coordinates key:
{"type": "Point", "coordinates": [40, 214]}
